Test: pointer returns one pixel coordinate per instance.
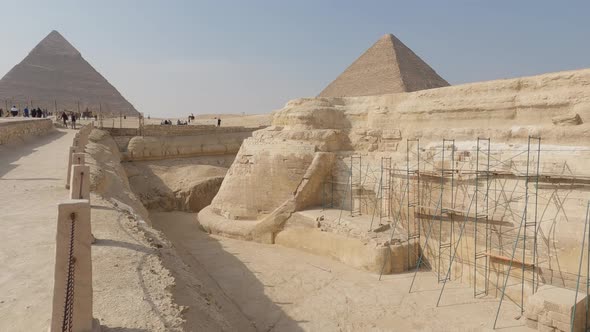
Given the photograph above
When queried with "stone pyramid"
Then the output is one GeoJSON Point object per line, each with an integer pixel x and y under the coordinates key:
{"type": "Point", "coordinates": [388, 66]}
{"type": "Point", "coordinates": [55, 74]}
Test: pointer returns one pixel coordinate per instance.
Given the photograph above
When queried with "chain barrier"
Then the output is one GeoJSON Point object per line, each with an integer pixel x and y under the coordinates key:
{"type": "Point", "coordinates": [69, 301]}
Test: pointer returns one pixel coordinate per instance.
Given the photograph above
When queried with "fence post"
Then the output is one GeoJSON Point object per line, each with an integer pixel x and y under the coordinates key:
{"type": "Point", "coordinates": [80, 185]}
{"type": "Point", "coordinates": [73, 149]}
{"type": "Point", "coordinates": [78, 158]}
{"type": "Point", "coordinates": [72, 291]}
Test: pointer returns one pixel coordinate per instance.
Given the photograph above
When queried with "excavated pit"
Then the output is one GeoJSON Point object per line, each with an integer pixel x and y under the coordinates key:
{"type": "Point", "coordinates": [185, 184]}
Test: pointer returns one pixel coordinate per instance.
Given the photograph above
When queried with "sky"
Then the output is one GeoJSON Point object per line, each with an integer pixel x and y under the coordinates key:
{"type": "Point", "coordinates": [171, 58]}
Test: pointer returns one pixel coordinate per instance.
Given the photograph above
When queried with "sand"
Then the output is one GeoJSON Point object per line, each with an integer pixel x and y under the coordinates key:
{"type": "Point", "coordinates": [282, 289]}
{"type": "Point", "coordinates": [32, 179]}
{"type": "Point", "coordinates": [191, 281]}
{"type": "Point", "coordinates": [129, 281]}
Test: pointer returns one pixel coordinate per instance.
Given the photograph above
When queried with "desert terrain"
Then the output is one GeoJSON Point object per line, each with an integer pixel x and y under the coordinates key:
{"type": "Point", "coordinates": [392, 201]}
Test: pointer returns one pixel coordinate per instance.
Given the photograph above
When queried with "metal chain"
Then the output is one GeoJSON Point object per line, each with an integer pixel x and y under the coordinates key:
{"type": "Point", "coordinates": [69, 301]}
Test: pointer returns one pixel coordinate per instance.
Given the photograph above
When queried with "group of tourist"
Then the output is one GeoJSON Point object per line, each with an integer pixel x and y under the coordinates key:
{"type": "Point", "coordinates": [72, 117]}
{"type": "Point", "coordinates": [26, 113]}
{"type": "Point", "coordinates": [184, 123]}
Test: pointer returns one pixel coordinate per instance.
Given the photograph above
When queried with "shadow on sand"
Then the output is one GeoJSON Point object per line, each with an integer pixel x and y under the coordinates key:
{"type": "Point", "coordinates": [237, 285]}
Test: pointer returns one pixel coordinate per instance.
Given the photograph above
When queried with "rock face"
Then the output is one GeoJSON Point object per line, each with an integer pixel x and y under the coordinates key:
{"type": "Point", "coordinates": [388, 66]}
{"type": "Point", "coordinates": [54, 72]}
{"type": "Point", "coordinates": [187, 184]}
{"type": "Point", "coordinates": [272, 171]}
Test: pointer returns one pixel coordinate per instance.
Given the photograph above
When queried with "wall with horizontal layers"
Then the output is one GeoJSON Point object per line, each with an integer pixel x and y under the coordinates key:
{"type": "Point", "coordinates": [17, 130]}
{"type": "Point", "coordinates": [553, 106]}
{"type": "Point", "coordinates": [163, 147]}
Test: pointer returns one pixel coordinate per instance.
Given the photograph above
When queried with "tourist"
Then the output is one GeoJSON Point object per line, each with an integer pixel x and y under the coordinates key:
{"type": "Point", "coordinates": [64, 117]}
{"type": "Point", "coordinates": [1, 112]}
{"type": "Point", "coordinates": [39, 112]}
{"type": "Point", "coordinates": [219, 122]}
{"type": "Point", "coordinates": [14, 111]}
{"type": "Point", "coordinates": [73, 120]}
{"type": "Point", "coordinates": [33, 113]}
{"type": "Point", "coordinates": [26, 112]}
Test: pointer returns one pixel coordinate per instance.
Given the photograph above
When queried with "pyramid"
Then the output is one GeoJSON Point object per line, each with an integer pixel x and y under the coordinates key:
{"type": "Point", "coordinates": [54, 74]}
{"type": "Point", "coordinates": [388, 66]}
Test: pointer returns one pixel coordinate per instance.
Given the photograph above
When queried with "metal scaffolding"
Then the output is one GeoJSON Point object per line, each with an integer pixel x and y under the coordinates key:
{"type": "Point", "coordinates": [482, 167]}
{"type": "Point", "coordinates": [413, 206]}
{"type": "Point", "coordinates": [446, 172]}
{"type": "Point", "coordinates": [523, 225]}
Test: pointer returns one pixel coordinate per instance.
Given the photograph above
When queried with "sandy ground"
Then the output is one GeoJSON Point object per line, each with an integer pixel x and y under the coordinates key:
{"type": "Point", "coordinates": [129, 281]}
{"type": "Point", "coordinates": [202, 282]}
{"type": "Point", "coordinates": [32, 179]}
{"type": "Point", "coordinates": [282, 289]}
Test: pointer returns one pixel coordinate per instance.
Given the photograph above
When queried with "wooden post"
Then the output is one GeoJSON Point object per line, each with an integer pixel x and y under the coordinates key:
{"type": "Point", "coordinates": [72, 290]}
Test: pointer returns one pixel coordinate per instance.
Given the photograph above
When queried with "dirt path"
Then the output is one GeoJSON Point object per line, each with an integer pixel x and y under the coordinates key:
{"type": "Point", "coordinates": [32, 179]}
{"type": "Point", "coordinates": [282, 289]}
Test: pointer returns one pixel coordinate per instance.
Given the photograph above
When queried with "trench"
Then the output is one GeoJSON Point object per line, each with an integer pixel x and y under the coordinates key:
{"type": "Point", "coordinates": [174, 191]}
{"type": "Point", "coordinates": [265, 287]}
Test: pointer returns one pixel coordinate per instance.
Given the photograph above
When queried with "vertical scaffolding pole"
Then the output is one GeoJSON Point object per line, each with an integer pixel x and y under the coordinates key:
{"type": "Point", "coordinates": [536, 223]}
{"type": "Point", "coordinates": [481, 254]}
{"type": "Point", "coordinates": [357, 186]}
{"type": "Point", "coordinates": [573, 319]}
{"type": "Point", "coordinates": [456, 248]}
{"type": "Point", "coordinates": [528, 224]}
{"type": "Point", "coordinates": [421, 257]}
{"type": "Point", "coordinates": [413, 230]}
{"type": "Point", "coordinates": [386, 190]}
{"type": "Point", "coordinates": [379, 200]}
{"type": "Point", "coordinates": [348, 180]}
{"type": "Point", "coordinates": [393, 227]}
{"type": "Point", "coordinates": [443, 173]}
{"type": "Point", "coordinates": [520, 227]}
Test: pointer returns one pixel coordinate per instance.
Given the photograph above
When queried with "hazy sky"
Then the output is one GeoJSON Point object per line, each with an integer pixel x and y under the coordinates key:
{"type": "Point", "coordinates": [175, 57]}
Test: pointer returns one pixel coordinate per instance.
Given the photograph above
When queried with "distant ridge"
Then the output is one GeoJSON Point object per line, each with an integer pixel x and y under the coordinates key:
{"type": "Point", "coordinates": [388, 66]}
{"type": "Point", "coordinates": [55, 72]}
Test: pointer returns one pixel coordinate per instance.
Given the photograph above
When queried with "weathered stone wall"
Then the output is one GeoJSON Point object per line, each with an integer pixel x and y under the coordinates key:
{"type": "Point", "coordinates": [192, 130]}
{"type": "Point", "coordinates": [164, 147]}
{"type": "Point", "coordinates": [15, 130]}
{"type": "Point", "coordinates": [555, 107]}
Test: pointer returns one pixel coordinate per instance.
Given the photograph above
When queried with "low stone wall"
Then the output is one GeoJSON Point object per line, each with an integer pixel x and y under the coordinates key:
{"type": "Point", "coordinates": [15, 130]}
{"type": "Point", "coordinates": [166, 130]}
{"type": "Point", "coordinates": [156, 148]}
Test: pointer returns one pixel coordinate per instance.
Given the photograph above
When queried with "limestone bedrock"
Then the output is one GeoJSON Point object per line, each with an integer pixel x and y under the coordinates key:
{"type": "Point", "coordinates": [311, 140]}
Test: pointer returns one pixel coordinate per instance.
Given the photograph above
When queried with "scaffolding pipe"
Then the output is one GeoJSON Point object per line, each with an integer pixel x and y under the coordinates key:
{"type": "Point", "coordinates": [458, 242]}
{"type": "Point", "coordinates": [522, 220]}
{"type": "Point", "coordinates": [394, 225]}
{"type": "Point", "coordinates": [580, 272]}
{"type": "Point", "coordinates": [421, 258]}
{"type": "Point", "coordinates": [537, 224]}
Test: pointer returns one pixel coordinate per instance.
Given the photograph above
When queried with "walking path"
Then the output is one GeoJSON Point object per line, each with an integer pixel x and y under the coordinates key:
{"type": "Point", "coordinates": [32, 179]}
